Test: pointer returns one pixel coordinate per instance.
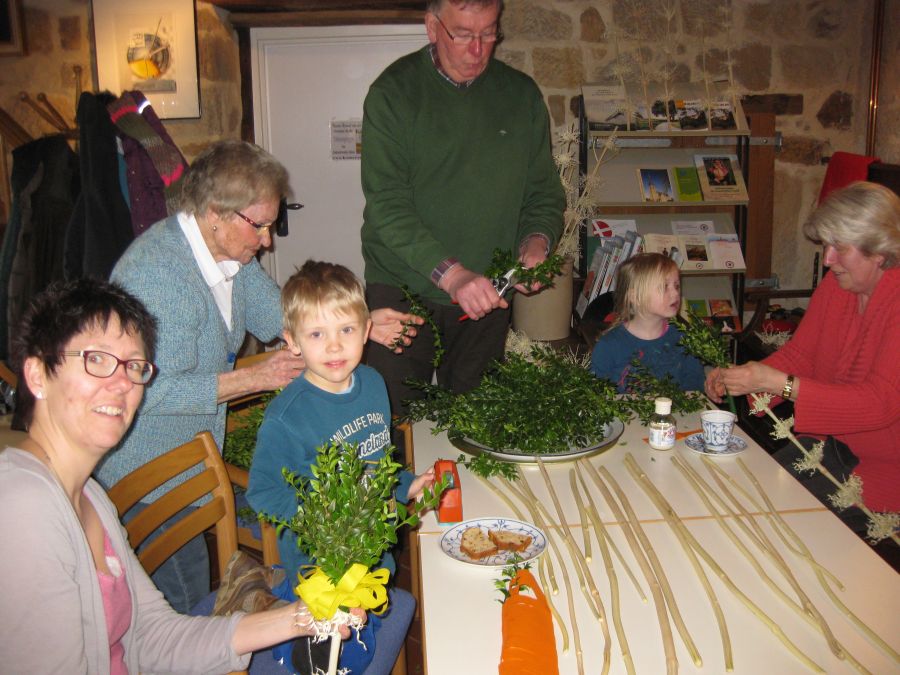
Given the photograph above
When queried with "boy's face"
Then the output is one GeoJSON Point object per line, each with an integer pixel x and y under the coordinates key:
{"type": "Point", "coordinates": [332, 345]}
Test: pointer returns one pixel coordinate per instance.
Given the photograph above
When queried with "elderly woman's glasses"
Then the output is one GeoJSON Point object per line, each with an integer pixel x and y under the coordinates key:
{"type": "Point", "coordinates": [465, 39]}
{"type": "Point", "coordinates": [258, 226]}
{"type": "Point", "coordinates": [104, 364]}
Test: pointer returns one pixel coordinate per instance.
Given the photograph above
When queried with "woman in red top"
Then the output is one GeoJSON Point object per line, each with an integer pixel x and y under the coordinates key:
{"type": "Point", "coordinates": [842, 366]}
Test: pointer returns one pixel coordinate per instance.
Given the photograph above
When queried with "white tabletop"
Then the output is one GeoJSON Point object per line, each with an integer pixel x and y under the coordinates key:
{"type": "Point", "coordinates": [462, 618]}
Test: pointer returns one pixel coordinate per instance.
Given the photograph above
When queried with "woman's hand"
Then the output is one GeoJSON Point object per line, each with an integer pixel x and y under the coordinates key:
{"type": "Point", "coordinates": [714, 385]}
{"type": "Point", "coordinates": [387, 328]}
{"type": "Point", "coordinates": [278, 370]}
{"type": "Point", "coordinates": [749, 378]}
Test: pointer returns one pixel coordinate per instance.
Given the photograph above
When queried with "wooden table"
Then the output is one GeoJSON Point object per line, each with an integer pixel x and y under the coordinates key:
{"type": "Point", "coordinates": [462, 618]}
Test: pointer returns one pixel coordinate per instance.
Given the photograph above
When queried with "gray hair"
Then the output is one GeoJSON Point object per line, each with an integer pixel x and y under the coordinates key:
{"type": "Point", "coordinates": [230, 176]}
{"type": "Point", "coordinates": [435, 6]}
{"type": "Point", "coordinates": [864, 215]}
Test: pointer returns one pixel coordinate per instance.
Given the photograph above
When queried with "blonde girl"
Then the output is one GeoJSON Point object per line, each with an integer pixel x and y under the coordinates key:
{"type": "Point", "coordinates": [648, 294]}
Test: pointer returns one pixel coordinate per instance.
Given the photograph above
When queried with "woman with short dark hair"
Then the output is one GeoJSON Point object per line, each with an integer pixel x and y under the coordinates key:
{"type": "Point", "coordinates": [73, 595]}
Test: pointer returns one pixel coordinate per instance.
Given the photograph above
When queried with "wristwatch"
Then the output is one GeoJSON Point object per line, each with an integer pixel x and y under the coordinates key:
{"type": "Point", "coordinates": [788, 388]}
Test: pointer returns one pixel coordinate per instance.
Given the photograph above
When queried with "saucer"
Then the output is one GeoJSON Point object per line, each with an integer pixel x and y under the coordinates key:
{"type": "Point", "coordinates": [735, 446]}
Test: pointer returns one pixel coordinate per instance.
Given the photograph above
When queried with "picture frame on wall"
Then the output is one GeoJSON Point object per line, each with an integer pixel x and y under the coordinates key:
{"type": "Point", "coordinates": [12, 39]}
{"type": "Point", "coordinates": [150, 47]}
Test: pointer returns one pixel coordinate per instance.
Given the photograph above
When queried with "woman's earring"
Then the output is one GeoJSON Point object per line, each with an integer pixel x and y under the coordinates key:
{"type": "Point", "coordinates": [215, 228]}
{"type": "Point", "coordinates": [39, 395]}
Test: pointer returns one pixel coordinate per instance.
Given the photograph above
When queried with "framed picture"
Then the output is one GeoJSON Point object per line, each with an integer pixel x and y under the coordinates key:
{"type": "Point", "coordinates": [151, 47]}
{"type": "Point", "coordinates": [12, 42]}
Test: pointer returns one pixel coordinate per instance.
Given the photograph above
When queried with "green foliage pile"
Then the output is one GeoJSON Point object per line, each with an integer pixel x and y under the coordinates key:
{"type": "Point", "coordinates": [345, 512]}
{"type": "Point", "coordinates": [504, 261]}
{"type": "Point", "coordinates": [240, 443]}
{"type": "Point", "coordinates": [544, 404]}
{"type": "Point", "coordinates": [643, 388]}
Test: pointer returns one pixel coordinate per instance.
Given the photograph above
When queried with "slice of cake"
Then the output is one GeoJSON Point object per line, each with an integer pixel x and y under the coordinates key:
{"type": "Point", "coordinates": [476, 544]}
{"type": "Point", "coordinates": [509, 541]}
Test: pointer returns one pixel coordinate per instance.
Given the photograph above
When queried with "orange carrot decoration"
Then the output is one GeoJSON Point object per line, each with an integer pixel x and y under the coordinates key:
{"type": "Point", "coordinates": [529, 645]}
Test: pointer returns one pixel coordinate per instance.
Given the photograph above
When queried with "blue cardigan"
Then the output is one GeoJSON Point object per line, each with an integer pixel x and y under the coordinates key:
{"type": "Point", "coordinates": [194, 344]}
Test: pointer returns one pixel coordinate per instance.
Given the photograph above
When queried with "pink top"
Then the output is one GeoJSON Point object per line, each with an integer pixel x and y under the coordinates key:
{"type": "Point", "coordinates": [116, 606]}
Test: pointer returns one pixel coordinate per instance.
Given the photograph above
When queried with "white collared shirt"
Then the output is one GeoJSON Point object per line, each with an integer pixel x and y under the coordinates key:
{"type": "Point", "coordinates": [219, 276]}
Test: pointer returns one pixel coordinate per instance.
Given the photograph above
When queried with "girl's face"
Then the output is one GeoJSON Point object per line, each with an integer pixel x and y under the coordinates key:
{"type": "Point", "coordinates": [665, 301]}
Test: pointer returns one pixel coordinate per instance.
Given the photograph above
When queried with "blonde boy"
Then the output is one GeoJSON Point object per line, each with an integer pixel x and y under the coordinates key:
{"type": "Point", "coordinates": [336, 398]}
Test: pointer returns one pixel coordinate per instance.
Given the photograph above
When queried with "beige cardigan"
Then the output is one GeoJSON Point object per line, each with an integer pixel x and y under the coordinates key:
{"type": "Point", "coordinates": [51, 609]}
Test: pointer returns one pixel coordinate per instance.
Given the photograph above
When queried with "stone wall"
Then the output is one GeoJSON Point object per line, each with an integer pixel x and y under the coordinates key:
{"type": "Point", "coordinates": [817, 51]}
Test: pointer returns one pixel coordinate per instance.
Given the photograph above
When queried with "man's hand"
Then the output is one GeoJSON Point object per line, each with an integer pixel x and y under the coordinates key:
{"type": "Point", "coordinates": [387, 328]}
{"type": "Point", "coordinates": [534, 252]}
{"type": "Point", "coordinates": [474, 293]}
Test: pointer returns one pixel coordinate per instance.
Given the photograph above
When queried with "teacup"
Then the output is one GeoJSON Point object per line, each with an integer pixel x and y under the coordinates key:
{"type": "Point", "coordinates": [717, 427]}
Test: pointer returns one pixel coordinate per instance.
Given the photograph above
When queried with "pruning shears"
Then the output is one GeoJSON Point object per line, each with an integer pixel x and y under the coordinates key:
{"type": "Point", "coordinates": [502, 284]}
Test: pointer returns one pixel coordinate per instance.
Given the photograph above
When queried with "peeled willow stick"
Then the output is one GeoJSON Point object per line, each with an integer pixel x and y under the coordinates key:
{"type": "Point", "coordinates": [531, 501]}
{"type": "Point", "coordinates": [576, 554]}
{"type": "Point", "coordinates": [578, 558]}
{"type": "Point", "coordinates": [542, 516]}
{"type": "Point", "coordinates": [607, 540]}
{"type": "Point", "coordinates": [540, 522]}
{"type": "Point", "coordinates": [677, 527]}
{"type": "Point", "coordinates": [657, 568]}
{"type": "Point", "coordinates": [582, 516]}
{"type": "Point", "coordinates": [767, 547]}
{"type": "Point", "coordinates": [658, 600]}
{"type": "Point", "coordinates": [704, 490]}
{"type": "Point", "coordinates": [544, 565]}
{"type": "Point", "coordinates": [610, 570]}
{"type": "Point", "coordinates": [762, 616]}
{"type": "Point", "coordinates": [819, 570]}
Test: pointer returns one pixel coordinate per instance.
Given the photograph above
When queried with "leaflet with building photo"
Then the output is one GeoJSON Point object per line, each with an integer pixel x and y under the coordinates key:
{"type": "Point", "coordinates": [656, 186]}
{"type": "Point", "coordinates": [696, 254]}
{"type": "Point", "coordinates": [704, 227]}
{"type": "Point", "coordinates": [720, 178]}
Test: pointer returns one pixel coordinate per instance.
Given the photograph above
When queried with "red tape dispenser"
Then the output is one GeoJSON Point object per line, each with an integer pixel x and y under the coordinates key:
{"type": "Point", "coordinates": [450, 507]}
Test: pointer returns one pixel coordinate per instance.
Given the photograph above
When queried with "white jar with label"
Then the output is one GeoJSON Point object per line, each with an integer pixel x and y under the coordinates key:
{"type": "Point", "coordinates": [662, 425]}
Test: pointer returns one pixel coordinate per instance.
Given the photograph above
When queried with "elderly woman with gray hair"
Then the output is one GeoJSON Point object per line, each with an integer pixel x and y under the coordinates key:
{"type": "Point", "coordinates": [841, 366]}
{"type": "Point", "coordinates": [197, 274]}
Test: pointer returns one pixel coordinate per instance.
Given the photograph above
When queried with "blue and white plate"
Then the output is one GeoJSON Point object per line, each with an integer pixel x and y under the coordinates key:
{"type": "Point", "coordinates": [735, 446]}
{"type": "Point", "coordinates": [452, 537]}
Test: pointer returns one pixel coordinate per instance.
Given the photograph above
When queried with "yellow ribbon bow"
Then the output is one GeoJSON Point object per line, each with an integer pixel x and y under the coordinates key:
{"type": "Point", "coordinates": [357, 588]}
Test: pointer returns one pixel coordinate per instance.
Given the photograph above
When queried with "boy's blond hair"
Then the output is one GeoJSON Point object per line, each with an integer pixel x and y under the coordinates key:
{"type": "Point", "coordinates": [637, 279]}
{"type": "Point", "coordinates": [321, 285]}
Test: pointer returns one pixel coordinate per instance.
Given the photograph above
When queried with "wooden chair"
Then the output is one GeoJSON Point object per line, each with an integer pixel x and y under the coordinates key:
{"type": "Point", "coordinates": [218, 513]}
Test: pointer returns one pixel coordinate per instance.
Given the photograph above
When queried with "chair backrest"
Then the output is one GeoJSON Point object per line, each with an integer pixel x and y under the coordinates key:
{"type": "Point", "coordinates": [217, 512]}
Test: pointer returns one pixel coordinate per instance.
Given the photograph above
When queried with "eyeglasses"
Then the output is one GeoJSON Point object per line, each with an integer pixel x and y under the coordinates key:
{"type": "Point", "coordinates": [258, 226]}
{"type": "Point", "coordinates": [467, 38]}
{"type": "Point", "coordinates": [104, 364]}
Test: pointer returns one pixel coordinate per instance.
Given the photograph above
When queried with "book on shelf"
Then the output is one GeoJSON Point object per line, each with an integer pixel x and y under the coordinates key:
{"type": "Point", "coordinates": [687, 184]}
{"type": "Point", "coordinates": [697, 306]}
{"type": "Point", "coordinates": [667, 244]}
{"type": "Point", "coordinates": [700, 227]}
{"type": "Point", "coordinates": [656, 187]}
{"type": "Point", "coordinates": [721, 115]}
{"type": "Point", "coordinates": [720, 177]}
{"type": "Point", "coordinates": [715, 312]}
{"type": "Point", "coordinates": [725, 252]}
{"type": "Point", "coordinates": [603, 228]}
{"type": "Point", "coordinates": [695, 251]}
{"type": "Point", "coordinates": [617, 247]}
{"type": "Point", "coordinates": [596, 273]}
{"type": "Point", "coordinates": [723, 313]}
{"type": "Point", "coordinates": [606, 107]}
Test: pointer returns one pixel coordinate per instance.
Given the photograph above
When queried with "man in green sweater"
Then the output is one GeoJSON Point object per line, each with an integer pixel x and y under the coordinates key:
{"type": "Point", "coordinates": [456, 162]}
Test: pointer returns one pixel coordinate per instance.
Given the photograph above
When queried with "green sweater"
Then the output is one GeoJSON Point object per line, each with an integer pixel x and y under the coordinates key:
{"type": "Point", "coordinates": [453, 172]}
